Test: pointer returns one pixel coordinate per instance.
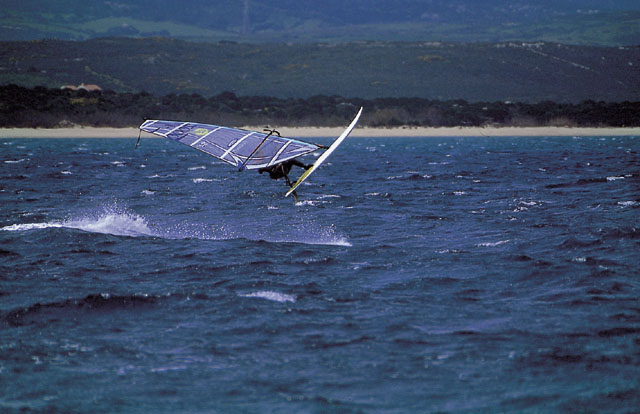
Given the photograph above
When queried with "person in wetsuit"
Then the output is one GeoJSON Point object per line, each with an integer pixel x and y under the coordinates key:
{"type": "Point", "coordinates": [282, 170]}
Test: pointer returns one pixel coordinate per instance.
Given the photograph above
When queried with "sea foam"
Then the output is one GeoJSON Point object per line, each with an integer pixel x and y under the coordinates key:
{"type": "Point", "coordinates": [270, 295]}
{"type": "Point", "coordinates": [118, 224]}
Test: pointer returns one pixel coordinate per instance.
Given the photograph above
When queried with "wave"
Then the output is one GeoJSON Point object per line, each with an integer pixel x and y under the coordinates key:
{"type": "Point", "coordinates": [451, 251]}
{"type": "Point", "coordinates": [492, 244]}
{"type": "Point", "coordinates": [411, 177]}
{"type": "Point", "coordinates": [573, 243]}
{"type": "Point", "coordinates": [160, 176]}
{"type": "Point", "coordinates": [270, 295]}
{"type": "Point", "coordinates": [343, 242]}
{"type": "Point", "coordinates": [313, 203]}
{"type": "Point", "coordinates": [94, 302]}
{"type": "Point", "coordinates": [8, 253]}
{"type": "Point", "coordinates": [589, 181]}
{"type": "Point", "coordinates": [31, 226]}
{"type": "Point", "coordinates": [321, 342]}
{"type": "Point", "coordinates": [325, 237]}
{"type": "Point", "coordinates": [622, 233]}
{"type": "Point", "coordinates": [119, 222]}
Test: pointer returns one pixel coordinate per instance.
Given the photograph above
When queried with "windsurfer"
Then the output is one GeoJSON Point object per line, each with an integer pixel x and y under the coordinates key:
{"type": "Point", "coordinates": [282, 170]}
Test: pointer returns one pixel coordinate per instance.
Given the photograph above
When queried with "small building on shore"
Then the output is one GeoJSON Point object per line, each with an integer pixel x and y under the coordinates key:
{"type": "Point", "coordinates": [82, 87]}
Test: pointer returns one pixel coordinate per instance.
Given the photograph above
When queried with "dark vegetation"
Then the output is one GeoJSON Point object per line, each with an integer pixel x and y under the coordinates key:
{"type": "Point", "coordinates": [47, 108]}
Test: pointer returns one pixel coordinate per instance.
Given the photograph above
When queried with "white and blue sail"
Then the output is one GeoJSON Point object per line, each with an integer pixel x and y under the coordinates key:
{"type": "Point", "coordinates": [238, 147]}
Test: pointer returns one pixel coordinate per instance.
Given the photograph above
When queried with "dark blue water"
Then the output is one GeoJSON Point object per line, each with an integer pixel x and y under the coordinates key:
{"type": "Point", "coordinates": [456, 275]}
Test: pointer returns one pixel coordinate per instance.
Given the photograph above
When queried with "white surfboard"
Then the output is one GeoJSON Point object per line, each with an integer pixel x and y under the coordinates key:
{"type": "Point", "coordinates": [326, 154]}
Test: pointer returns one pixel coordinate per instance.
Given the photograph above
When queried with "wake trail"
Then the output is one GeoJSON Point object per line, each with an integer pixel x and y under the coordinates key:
{"type": "Point", "coordinates": [129, 224]}
{"type": "Point", "coordinates": [112, 223]}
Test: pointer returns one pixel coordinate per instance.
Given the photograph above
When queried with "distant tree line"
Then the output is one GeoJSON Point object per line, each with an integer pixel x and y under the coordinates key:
{"type": "Point", "coordinates": [49, 108]}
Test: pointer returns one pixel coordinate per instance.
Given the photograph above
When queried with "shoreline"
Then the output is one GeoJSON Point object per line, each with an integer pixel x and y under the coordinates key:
{"type": "Point", "coordinates": [318, 132]}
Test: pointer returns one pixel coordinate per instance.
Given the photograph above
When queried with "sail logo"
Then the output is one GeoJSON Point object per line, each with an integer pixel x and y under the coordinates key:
{"type": "Point", "coordinates": [200, 131]}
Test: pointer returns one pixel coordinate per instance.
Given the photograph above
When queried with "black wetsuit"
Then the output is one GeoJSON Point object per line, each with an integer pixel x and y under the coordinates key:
{"type": "Point", "coordinates": [282, 170]}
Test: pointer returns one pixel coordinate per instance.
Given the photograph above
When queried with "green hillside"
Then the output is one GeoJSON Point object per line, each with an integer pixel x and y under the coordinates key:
{"type": "Point", "coordinates": [587, 22]}
{"type": "Point", "coordinates": [526, 72]}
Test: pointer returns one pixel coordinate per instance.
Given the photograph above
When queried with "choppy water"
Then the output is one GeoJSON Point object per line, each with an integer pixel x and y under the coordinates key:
{"type": "Point", "coordinates": [454, 275]}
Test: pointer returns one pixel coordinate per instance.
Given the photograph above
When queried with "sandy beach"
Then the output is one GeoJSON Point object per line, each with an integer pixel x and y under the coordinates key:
{"type": "Point", "coordinates": [309, 132]}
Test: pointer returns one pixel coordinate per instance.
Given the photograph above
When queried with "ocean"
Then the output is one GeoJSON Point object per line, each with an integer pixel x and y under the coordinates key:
{"type": "Point", "coordinates": [453, 275]}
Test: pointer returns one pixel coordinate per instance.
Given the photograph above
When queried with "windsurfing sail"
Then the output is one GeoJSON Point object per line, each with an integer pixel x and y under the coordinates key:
{"type": "Point", "coordinates": [238, 147]}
